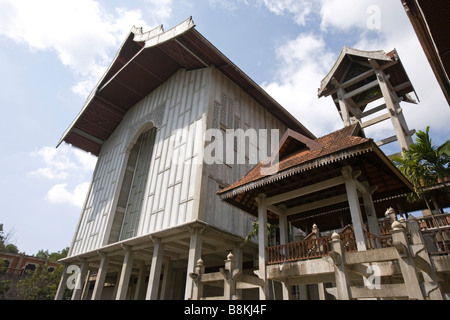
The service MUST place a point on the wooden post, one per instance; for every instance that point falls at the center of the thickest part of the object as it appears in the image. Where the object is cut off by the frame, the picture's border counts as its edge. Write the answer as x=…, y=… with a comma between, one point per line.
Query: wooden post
x=262, y=245
x=396, y=115
x=355, y=210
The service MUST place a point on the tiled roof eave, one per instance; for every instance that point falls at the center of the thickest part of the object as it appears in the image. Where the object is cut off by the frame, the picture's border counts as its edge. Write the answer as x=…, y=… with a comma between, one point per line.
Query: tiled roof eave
x=311, y=164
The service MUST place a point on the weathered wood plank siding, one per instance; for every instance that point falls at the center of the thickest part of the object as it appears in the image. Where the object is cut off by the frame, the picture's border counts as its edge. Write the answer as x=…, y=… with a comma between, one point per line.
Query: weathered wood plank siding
x=169, y=193
x=232, y=108
x=180, y=191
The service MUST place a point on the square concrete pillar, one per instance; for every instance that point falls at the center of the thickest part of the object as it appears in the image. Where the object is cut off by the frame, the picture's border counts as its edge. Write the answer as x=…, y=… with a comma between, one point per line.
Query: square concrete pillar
x=406, y=262
x=101, y=276
x=124, y=280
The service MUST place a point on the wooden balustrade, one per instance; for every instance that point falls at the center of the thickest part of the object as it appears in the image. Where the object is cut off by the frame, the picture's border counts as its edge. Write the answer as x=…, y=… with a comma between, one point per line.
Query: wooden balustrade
x=296, y=251
x=376, y=242
x=316, y=247
x=441, y=240
x=434, y=221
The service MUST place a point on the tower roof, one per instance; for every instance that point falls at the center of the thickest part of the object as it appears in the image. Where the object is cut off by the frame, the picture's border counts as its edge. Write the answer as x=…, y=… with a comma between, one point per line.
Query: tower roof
x=354, y=69
x=144, y=61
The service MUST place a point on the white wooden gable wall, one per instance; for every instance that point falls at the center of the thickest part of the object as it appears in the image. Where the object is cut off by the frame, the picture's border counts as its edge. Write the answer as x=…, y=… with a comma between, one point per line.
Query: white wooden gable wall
x=171, y=190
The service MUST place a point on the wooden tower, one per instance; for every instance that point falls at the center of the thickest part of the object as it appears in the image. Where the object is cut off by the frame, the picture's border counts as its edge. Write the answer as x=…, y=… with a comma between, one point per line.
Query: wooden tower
x=359, y=78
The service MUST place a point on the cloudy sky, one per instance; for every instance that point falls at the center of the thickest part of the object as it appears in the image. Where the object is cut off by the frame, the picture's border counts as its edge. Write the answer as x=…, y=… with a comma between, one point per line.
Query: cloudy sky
x=52, y=52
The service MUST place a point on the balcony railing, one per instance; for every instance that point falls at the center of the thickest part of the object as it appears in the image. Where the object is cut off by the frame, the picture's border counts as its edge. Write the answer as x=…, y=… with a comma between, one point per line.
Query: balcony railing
x=441, y=240
x=316, y=247
x=296, y=251
x=434, y=221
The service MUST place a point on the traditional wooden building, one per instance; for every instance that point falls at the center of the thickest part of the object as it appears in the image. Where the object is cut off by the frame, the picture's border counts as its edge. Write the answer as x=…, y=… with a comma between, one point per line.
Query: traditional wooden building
x=340, y=184
x=151, y=210
x=176, y=190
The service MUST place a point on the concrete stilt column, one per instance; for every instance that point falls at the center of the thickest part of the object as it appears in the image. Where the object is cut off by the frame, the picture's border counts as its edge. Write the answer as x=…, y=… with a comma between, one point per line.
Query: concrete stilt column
x=167, y=280
x=140, y=285
x=124, y=280
x=62, y=284
x=101, y=276
x=340, y=271
x=78, y=290
x=355, y=210
x=195, y=251
x=432, y=287
x=155, y=270
x=262, y=245
x=406, y=261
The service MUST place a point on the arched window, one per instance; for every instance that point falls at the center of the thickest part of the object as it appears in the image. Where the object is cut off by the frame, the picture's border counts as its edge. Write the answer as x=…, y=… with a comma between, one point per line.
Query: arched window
x=131, y=196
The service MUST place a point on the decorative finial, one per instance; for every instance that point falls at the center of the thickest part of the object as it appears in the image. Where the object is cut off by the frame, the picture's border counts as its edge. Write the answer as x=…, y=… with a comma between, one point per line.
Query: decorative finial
x=389, y=211
x=396, y=225
x=230, y=256
x=335, y=236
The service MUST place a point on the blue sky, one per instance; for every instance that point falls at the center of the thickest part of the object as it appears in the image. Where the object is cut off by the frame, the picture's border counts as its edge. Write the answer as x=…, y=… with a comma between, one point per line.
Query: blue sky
x=52, y=52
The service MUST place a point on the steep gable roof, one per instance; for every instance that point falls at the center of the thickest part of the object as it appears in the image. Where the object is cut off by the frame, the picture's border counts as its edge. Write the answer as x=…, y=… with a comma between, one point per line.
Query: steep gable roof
x=144, y=62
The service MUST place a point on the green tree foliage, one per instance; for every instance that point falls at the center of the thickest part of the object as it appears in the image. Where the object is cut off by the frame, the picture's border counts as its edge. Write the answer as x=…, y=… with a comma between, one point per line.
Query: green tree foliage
x=271, y=232
x=54, y=256
x=425, y=164
x=40, y=284
x=5, y=285
x=5, y=245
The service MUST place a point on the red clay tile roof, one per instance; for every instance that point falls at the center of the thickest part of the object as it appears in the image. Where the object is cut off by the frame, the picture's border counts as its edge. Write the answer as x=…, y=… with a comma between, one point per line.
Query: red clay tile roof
x=335, y=146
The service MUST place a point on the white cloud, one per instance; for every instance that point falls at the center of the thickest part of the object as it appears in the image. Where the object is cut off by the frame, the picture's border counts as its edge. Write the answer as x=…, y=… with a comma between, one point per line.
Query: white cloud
x=299, y=10
x=62, y=163
x=67, y=166
x=83, y=34
x=59, y=194
x=304, y=62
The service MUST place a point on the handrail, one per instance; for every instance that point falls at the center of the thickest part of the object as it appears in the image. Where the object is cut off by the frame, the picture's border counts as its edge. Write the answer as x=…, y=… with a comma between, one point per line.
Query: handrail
x=317, y=247
x=296, y=251
x=434, y=221
x=441, y=239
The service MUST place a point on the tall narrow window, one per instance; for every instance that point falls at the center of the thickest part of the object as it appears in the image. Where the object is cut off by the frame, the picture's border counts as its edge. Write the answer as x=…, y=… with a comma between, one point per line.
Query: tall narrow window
x=144, y=148
x=131, y=196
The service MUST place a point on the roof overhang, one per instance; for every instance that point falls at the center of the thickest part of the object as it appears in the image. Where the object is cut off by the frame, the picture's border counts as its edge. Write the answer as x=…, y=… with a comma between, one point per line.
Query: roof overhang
x=431, y=24
x=143, y=63
x=318, y=183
